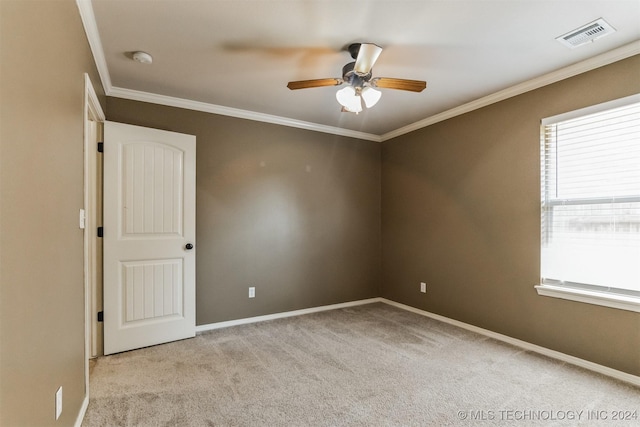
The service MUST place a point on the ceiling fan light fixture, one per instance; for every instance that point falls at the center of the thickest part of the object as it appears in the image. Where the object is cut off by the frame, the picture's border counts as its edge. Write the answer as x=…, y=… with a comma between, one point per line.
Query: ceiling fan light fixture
x=370, y=96
x=359, y=91
x=349, y=100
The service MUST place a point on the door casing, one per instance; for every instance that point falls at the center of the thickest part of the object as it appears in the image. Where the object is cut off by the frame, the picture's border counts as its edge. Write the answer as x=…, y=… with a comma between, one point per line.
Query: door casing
x=93, y=119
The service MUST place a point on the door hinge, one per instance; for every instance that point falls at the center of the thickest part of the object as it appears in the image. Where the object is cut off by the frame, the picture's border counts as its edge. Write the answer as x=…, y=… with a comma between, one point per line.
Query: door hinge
x=101, y=316
x=100, y=232
x=100, y=147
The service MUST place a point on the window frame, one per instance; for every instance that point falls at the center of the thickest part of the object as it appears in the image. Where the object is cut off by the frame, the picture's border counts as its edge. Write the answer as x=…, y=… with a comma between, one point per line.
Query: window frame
x=596, y=295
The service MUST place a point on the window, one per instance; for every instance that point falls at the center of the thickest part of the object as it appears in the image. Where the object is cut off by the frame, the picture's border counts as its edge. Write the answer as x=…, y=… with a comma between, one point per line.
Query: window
x=590, y=216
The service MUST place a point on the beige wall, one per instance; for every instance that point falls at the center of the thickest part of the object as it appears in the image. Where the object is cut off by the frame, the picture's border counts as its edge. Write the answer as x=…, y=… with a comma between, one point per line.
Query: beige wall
x=303, y=238
x=44, y=53
x=461, y=211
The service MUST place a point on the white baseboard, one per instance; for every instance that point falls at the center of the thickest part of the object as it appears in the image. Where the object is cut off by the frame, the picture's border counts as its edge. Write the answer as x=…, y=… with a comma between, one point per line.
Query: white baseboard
x=601, y=369
x=247, y=320
x=623, y=376
x=83, y=411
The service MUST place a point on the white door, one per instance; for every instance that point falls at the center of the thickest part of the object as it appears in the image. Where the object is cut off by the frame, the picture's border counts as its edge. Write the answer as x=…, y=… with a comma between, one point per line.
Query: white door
x=149, y=236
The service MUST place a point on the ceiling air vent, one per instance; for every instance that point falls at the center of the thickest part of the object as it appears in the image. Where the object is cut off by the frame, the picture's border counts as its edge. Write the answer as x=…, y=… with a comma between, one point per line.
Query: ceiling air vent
x=586, y=34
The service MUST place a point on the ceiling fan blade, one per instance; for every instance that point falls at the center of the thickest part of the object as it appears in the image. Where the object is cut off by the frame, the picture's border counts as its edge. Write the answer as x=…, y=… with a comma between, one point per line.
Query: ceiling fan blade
x=304, y=84
x=400, y=84
x=367, y=56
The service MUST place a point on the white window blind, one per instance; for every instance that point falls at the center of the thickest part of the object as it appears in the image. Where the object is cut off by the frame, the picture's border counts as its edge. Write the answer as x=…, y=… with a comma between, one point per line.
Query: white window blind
x=591, y=200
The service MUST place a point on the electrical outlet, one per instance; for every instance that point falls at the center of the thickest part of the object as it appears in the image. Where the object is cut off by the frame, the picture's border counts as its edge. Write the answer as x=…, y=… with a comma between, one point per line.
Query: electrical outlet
x=252, y=292
x=59, y=402
x=423, y=287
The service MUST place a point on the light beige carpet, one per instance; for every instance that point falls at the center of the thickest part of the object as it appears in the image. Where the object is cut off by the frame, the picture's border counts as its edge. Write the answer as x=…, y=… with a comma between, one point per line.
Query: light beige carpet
x=372, y=365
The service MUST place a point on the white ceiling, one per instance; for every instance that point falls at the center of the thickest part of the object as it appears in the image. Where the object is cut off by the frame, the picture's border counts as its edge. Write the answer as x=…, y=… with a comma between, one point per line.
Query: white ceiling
x=236, y=56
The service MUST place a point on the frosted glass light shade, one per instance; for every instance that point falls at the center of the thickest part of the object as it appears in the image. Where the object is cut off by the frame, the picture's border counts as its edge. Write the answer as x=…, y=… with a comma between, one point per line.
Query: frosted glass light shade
x=370, y=96
x=349, y=100
x=356, y=105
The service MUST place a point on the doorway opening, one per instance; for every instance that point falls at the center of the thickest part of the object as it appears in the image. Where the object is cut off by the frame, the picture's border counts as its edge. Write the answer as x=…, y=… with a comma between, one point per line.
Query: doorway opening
x=90, y=218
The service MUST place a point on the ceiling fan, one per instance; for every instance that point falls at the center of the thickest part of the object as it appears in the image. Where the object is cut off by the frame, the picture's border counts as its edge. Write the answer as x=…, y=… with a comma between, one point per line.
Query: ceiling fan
x=358, y=77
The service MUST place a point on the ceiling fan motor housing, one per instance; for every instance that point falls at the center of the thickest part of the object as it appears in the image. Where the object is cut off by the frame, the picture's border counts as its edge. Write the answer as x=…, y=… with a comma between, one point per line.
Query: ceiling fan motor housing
x=354, y=49
x=353, y=78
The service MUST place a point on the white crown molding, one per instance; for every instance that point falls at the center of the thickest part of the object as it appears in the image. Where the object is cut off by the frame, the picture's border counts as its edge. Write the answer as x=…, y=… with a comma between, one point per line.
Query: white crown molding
x=601, y=60
x=91, y=29
x=170, y=101
x=93, y=36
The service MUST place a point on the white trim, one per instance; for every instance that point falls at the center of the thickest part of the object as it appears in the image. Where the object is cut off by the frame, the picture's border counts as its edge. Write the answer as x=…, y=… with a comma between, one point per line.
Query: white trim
x=92, y=110
x=91, y=29
x=92, y=100
x=83, y=411
x=247, y=320
x=592, y=109
x=601, y=60
x=93, y=36
x=188, y=104
x=605, y=370
x=622, y=302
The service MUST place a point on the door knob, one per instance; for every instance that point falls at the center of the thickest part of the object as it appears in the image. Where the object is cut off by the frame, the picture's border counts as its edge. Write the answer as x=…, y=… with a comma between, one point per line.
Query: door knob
x=188, y=246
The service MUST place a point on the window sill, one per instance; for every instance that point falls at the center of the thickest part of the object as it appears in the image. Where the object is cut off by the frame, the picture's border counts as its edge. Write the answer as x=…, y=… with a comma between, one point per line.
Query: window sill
x=621, y=302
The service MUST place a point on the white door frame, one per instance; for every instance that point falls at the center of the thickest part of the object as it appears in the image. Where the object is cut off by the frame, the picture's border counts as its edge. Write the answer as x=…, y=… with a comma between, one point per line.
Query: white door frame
x=92, y=113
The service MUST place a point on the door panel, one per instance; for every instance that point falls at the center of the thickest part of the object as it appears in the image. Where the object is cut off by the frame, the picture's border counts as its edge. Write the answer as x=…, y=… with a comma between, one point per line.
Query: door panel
x=149, y=217
x=152, y=190
x=152, y=290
